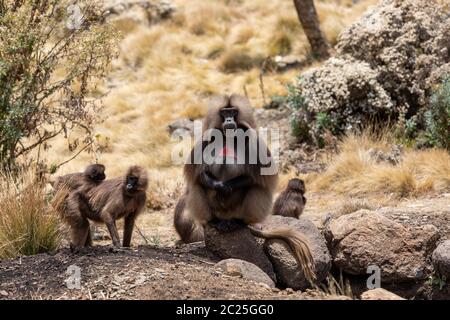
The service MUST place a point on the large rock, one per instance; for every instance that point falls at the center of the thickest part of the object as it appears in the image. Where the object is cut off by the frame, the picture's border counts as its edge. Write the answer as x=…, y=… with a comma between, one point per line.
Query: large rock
x=441, y=259
x=379, y=294
x=137, y=12
x=238, y=244
x=365, y=238
x=244, y=269
x=387, y=63
x=285, y=265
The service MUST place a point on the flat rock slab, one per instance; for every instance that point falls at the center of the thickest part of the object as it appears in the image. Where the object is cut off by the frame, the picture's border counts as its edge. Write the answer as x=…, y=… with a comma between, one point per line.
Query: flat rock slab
x=244, y=269
x=379, y=294
x=365, y=238
x=286, y=267
x=238, y=244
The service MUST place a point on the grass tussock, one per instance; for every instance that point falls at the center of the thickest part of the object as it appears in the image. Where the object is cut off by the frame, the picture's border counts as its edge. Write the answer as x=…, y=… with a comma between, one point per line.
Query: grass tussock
x=28, y=224
x=355, y=171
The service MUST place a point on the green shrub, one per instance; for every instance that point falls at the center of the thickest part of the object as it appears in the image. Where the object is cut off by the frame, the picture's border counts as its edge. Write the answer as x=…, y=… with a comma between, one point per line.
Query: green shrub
x=437, y=119
x=299, y=124
x=46, y=68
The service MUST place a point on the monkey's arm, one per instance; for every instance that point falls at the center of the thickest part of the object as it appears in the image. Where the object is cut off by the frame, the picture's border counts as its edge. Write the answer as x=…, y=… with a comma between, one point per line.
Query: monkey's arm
x=208, y=181
x=239, y=182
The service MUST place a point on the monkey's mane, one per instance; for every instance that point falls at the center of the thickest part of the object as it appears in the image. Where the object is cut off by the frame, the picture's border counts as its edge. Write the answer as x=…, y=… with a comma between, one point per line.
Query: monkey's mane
x=140, y=173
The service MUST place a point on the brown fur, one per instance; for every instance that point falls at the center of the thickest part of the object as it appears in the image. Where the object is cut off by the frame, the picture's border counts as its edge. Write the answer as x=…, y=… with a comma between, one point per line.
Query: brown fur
x=64, y=185
x=252, y=204
x=291, y=202
x=108, y=202
x=187, y=228
x=92, y=175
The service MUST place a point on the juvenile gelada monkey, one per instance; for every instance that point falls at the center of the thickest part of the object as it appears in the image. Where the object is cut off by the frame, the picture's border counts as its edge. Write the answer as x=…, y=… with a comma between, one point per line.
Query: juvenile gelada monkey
x=229, y=185
x=92, y=175
x=291, y=202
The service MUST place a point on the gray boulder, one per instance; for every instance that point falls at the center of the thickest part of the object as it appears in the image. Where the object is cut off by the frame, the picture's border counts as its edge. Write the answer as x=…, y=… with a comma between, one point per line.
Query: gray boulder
x=238, y=244
x=365, y=238
x=285, y=265
x=244, y=269
x=441, y=259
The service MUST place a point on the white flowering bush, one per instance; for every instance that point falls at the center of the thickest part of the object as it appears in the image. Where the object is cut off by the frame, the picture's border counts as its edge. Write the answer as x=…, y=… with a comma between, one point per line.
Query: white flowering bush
x=386, y=68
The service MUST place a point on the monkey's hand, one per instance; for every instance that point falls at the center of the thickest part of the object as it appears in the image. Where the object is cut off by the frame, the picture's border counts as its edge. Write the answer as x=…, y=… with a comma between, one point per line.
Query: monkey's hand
x=223, y=187
x=210, y=182
x=239, y=183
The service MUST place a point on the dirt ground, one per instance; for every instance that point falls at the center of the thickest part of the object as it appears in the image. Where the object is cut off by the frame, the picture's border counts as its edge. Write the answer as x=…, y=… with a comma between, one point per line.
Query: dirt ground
x=145, y=272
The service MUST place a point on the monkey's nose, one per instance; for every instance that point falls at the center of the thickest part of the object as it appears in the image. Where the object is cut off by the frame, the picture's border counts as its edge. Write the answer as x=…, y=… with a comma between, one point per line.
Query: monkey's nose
x=229, y=126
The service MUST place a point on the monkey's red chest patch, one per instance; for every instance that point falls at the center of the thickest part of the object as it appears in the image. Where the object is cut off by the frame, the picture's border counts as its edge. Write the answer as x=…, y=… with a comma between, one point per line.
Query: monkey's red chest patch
x=227, y=152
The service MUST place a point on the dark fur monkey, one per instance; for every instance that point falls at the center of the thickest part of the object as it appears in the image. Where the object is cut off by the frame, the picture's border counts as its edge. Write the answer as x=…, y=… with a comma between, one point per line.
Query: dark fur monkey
x=92, y=175
x=291, y=202
x=231, y=177
x=113, y=199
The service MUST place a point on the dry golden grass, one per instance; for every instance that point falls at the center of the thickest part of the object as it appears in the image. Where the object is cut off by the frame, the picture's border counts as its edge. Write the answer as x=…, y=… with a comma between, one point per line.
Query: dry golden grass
x=355, y=172
x=28, y=224
x=165, y=72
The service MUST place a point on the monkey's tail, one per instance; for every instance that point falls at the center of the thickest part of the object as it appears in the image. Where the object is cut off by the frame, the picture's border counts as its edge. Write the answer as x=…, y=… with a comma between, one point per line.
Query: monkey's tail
x=59, y=201
x=298, y=244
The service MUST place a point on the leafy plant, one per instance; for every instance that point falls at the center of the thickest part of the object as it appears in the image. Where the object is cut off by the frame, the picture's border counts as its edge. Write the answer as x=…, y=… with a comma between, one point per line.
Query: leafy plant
x=435, y=280
x=296, y=102
x=47, y=62
x=155, y=240
x=437, y=119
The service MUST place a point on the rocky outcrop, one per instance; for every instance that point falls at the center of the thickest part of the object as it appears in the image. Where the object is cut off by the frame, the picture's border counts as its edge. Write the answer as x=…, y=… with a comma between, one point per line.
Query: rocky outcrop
x=137, y=12
x=386, y=65
x=364, y=238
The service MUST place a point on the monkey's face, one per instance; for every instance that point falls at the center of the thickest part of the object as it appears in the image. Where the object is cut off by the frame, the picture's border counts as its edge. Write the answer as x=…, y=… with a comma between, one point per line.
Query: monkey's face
x=98, y=176
x=97, y=173
x=132, y=184
x=228, y=116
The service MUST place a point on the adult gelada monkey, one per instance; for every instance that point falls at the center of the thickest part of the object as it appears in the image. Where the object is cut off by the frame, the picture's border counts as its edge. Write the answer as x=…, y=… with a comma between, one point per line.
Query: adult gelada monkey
x=291, y=202
x=229, y=180
x=113, y=199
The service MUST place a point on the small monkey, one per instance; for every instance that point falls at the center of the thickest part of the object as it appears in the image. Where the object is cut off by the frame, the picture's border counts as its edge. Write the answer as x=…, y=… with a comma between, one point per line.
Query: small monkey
x=92, y=175
x=113, y=199
x=291, y=202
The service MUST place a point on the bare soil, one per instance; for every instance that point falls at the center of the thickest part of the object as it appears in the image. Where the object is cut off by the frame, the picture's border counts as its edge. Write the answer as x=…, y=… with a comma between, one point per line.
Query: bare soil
x=145, y=272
